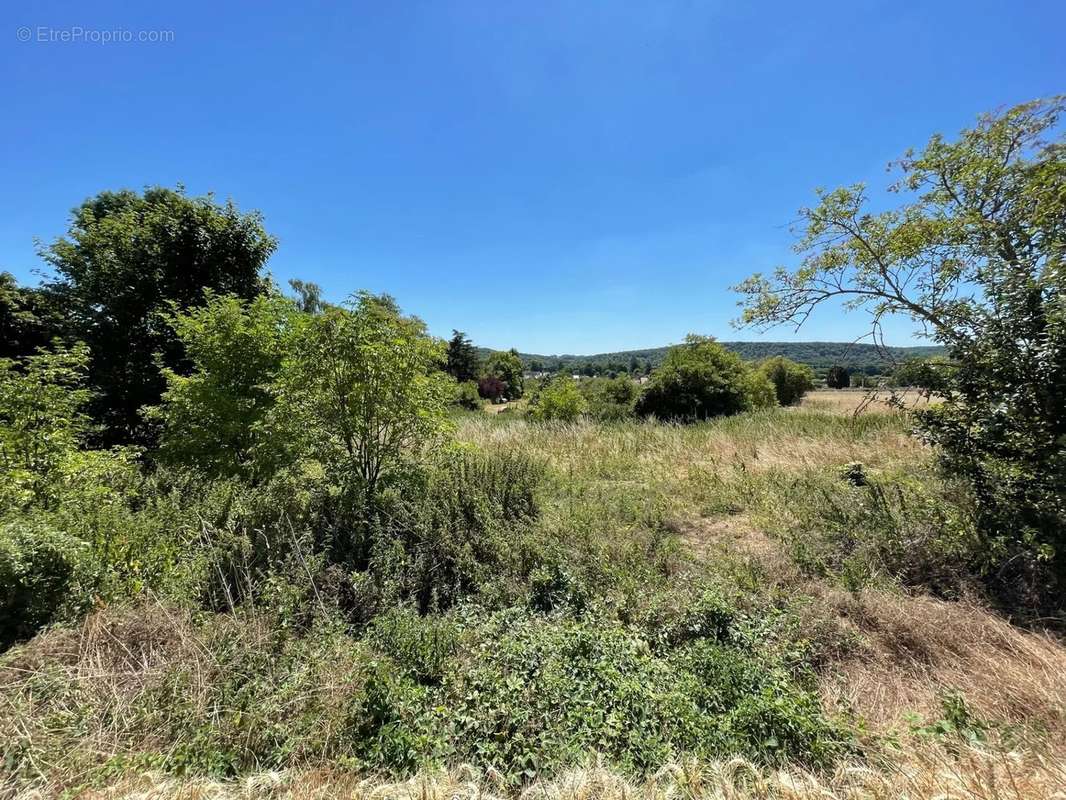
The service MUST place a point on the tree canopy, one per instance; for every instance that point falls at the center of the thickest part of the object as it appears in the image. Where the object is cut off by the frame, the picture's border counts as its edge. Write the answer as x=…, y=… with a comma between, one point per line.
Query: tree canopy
x=506, y=366
x=463, y=362
x=127, y=260
x=973, y=252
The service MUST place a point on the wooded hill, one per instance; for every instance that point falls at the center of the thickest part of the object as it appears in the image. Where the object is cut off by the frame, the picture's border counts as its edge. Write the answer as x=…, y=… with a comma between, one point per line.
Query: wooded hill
x=858, y=357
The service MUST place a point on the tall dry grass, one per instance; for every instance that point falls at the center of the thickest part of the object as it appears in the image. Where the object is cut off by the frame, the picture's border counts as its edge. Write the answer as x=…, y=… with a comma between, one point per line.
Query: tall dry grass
x=652, y=453
x=863, y=401
x=916, y=771
x=916, y=649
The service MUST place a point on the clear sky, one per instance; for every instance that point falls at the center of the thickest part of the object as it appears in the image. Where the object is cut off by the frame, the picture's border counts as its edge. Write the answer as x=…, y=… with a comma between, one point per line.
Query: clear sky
x=557, y=176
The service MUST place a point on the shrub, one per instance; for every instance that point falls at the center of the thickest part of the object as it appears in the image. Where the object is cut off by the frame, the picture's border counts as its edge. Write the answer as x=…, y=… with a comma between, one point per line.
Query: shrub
x=492, y=388
x=38, y=564
x=559, y=401
x=42, y=422
x=213, y=419
x=610, y=399
x=929, y=374
x=701, y=379
x=536, y=696
x=421, y=645
x=554, y=588
x=463, y=527
x=860, y=528
x=359, y=389
x=838, y=378
x=759, y=390
x=759, y=710
x=791, y=380
x=467, y=396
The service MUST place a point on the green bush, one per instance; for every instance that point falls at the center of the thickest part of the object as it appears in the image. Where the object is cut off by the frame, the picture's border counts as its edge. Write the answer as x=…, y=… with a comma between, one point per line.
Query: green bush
x=759, y=710
x=38, y=566
x=463, y=527
x=422, y=645
x=610, y=399
x=42, y=422
x=701, y=379
x=838, y=377
x=213, y=419
x=791, y=380
x=467, y=396
x=861, y=527
x=559, y=401
x=537, y=696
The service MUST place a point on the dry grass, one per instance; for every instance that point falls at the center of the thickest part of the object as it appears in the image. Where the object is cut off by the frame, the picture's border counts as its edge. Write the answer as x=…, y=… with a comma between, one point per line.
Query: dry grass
x=863, y=401
x=918, y=771
x=918, y=648
x=914, y=649
x=513, y=406
x=654, y=453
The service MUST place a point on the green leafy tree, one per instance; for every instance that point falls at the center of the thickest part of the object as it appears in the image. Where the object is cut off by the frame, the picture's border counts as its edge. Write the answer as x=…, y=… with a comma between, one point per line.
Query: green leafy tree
x=560, y=400
x=308, y=296
x=791, y=380
x=28, y=318
x=974, y=254
x=360, y=388
x=214, y=417
x=463, y=362
x=42, y=421
x=125, y=261
x=838, y=377
x=506, y=366
x=701, y=379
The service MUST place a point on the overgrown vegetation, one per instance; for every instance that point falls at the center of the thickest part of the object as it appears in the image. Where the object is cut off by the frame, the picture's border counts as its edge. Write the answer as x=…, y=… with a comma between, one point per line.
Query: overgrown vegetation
x=975, y=256
x=299, y=541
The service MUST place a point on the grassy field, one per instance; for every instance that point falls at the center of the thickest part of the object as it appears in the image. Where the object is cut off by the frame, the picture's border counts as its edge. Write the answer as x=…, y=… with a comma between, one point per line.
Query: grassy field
x=819, y=530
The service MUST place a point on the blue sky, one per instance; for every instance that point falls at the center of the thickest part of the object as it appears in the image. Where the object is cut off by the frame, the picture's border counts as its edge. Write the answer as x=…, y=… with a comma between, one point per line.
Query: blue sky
x=557, y=176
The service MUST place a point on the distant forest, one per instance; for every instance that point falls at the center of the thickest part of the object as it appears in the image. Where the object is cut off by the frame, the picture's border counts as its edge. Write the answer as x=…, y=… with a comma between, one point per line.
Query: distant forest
x=865, y=358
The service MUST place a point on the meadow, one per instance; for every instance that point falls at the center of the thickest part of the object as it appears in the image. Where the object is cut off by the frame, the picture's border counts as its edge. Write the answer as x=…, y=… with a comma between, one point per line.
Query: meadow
x=763, y=605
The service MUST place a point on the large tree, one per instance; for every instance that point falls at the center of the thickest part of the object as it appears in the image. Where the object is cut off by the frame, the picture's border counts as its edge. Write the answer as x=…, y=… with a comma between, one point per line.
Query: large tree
x=506, y=367
x=973, y=252
x=127, y=260
x=463, y=362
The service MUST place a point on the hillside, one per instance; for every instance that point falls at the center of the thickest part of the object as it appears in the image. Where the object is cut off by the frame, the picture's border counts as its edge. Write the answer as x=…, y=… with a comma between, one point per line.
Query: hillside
x=820, y=355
